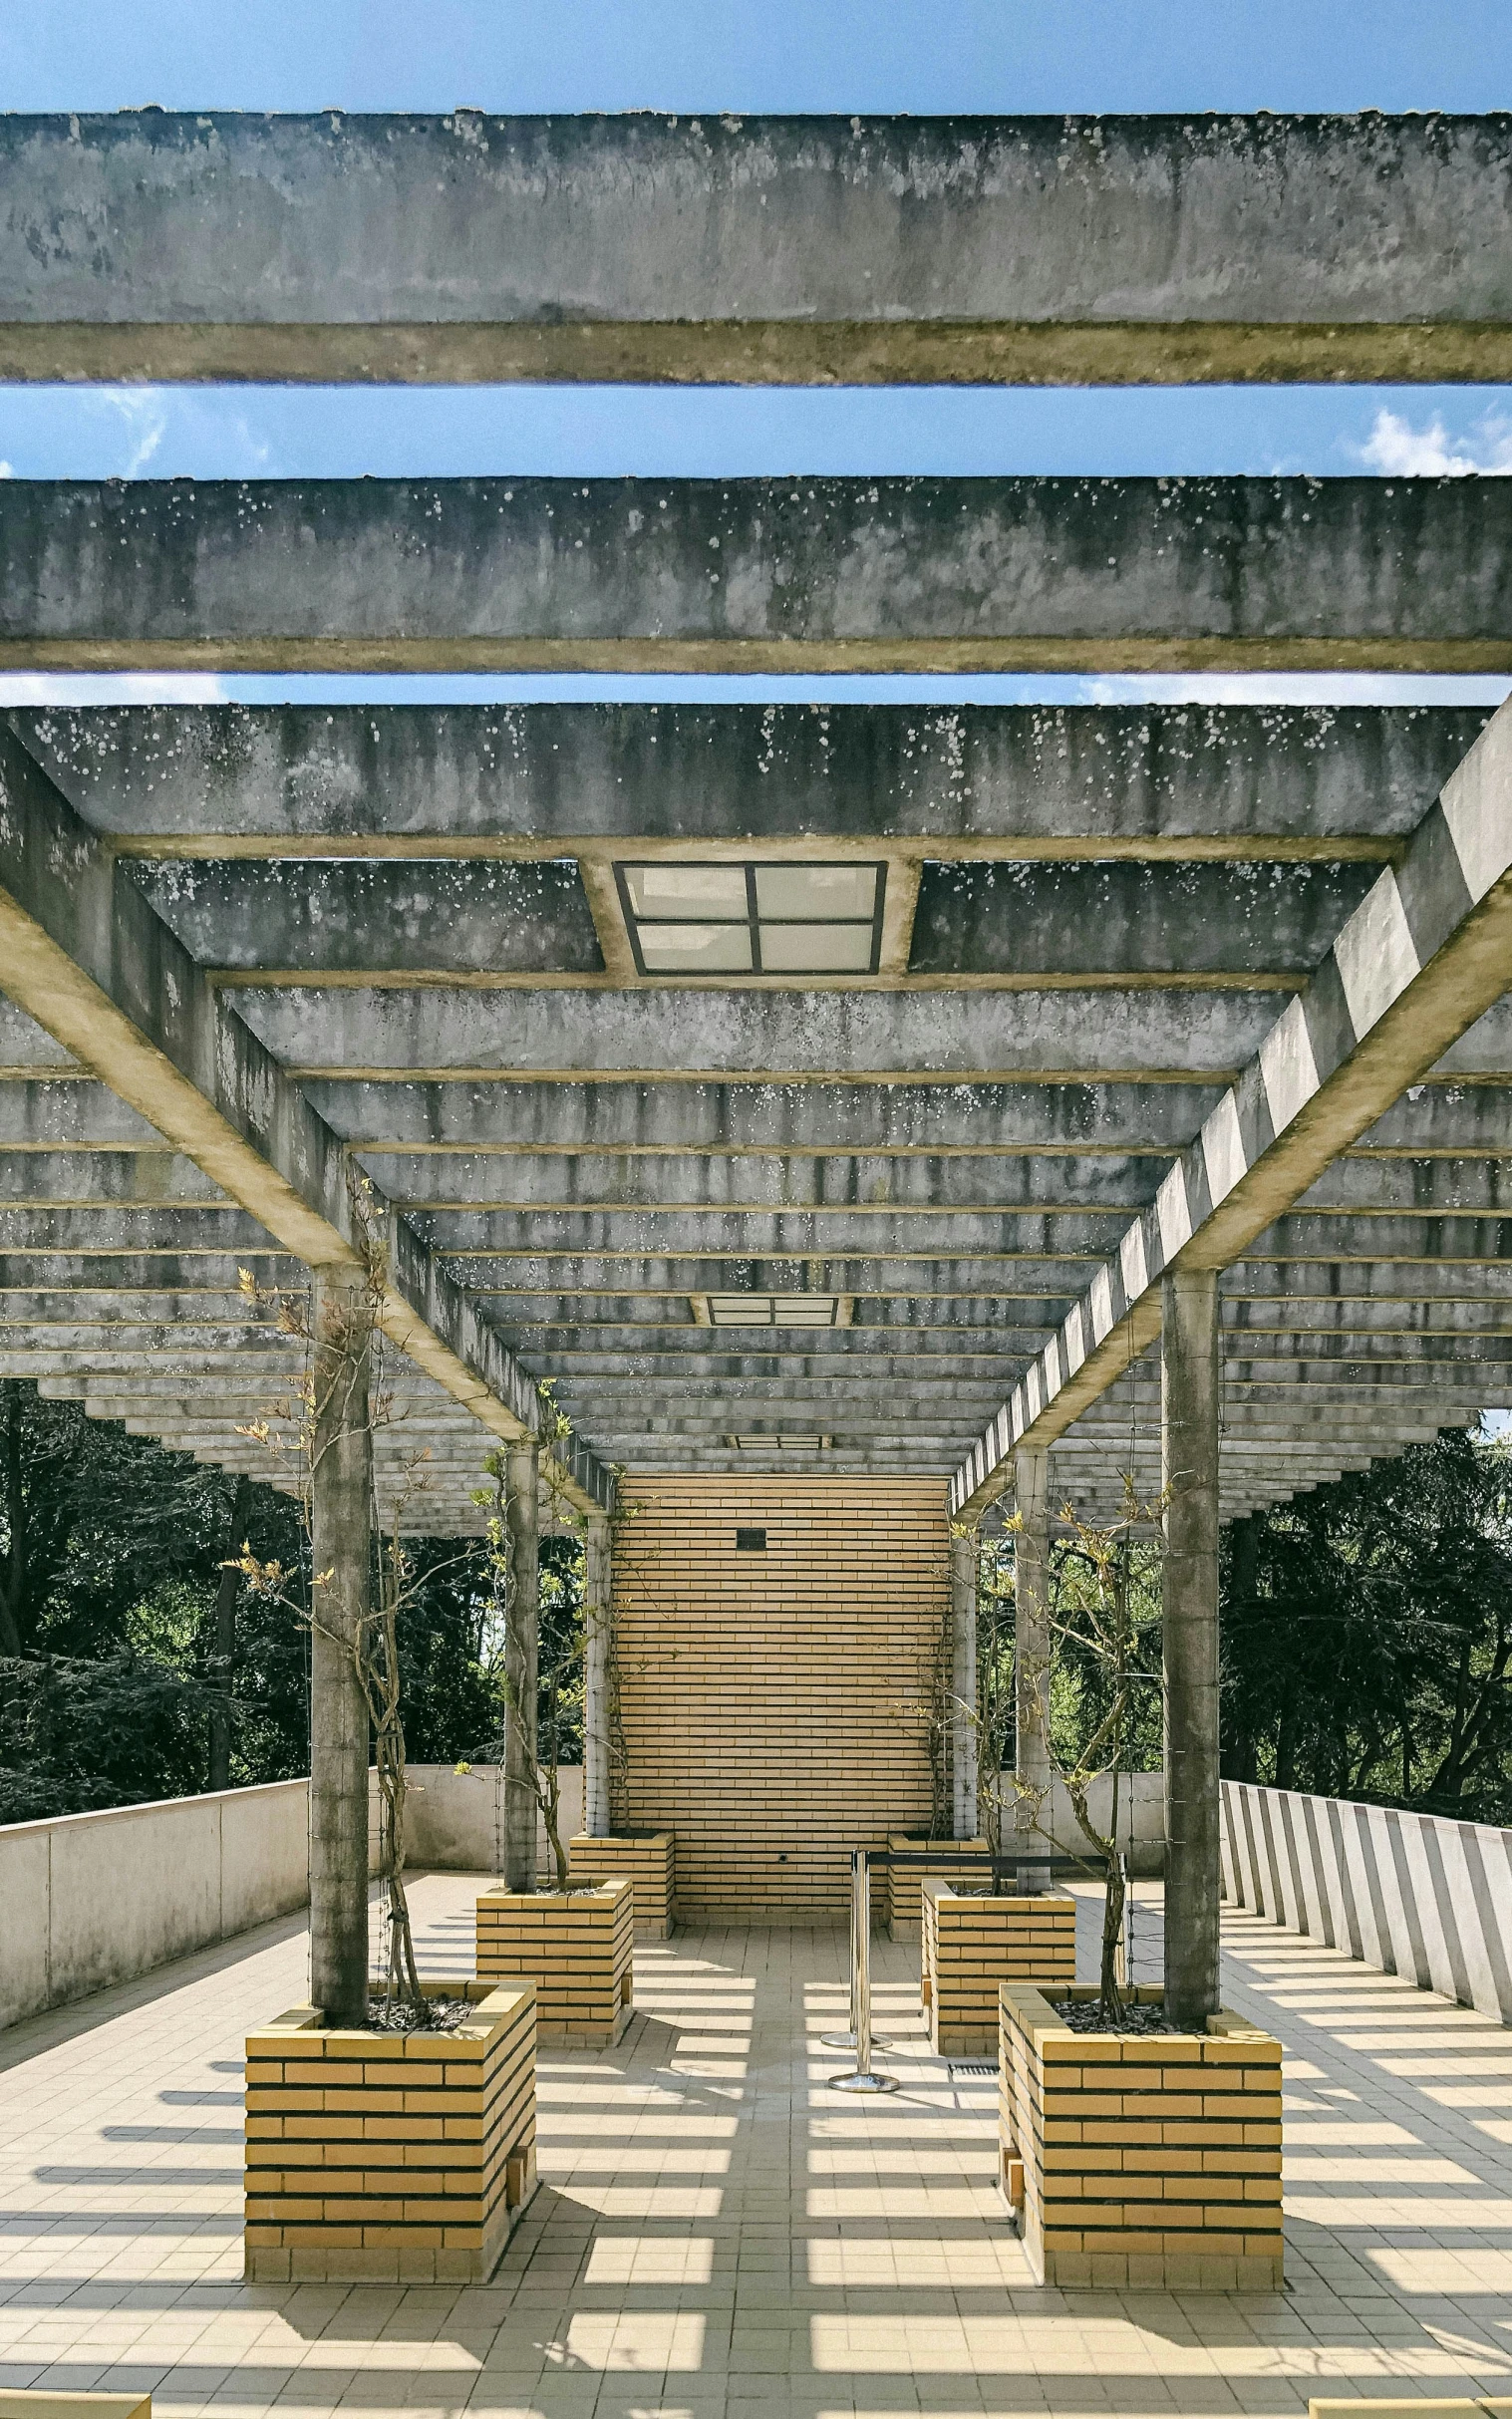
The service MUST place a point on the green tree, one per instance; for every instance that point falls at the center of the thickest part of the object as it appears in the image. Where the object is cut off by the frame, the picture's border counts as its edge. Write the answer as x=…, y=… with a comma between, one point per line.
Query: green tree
x=1367, y=1636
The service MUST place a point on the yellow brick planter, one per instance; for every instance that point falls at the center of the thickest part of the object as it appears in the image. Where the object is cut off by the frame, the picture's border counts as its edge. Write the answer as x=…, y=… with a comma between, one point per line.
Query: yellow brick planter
x=905, y=1905
x=31, y=2402
x=1141, y=2161
x=578, y=1948
x=646, y=1860
x=974, y=1943
x=1417, y=2407
x=390, y=2158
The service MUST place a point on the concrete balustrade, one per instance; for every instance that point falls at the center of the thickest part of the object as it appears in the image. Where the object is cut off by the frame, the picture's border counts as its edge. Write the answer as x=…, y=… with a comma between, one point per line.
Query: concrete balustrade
x=1412, y=1893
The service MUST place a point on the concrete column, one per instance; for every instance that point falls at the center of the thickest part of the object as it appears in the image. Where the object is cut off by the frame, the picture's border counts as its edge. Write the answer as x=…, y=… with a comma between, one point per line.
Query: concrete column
x=1032, y=1633
x=598, y=1618
x=1189, y=1396
x=521, y=1658
x=963, y=1684
x=341, y=1544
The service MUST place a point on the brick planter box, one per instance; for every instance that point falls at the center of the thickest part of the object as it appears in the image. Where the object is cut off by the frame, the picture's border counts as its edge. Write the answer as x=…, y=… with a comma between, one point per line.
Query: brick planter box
x=32, y=2402
x=390, y=2158
x=645, y=1859
x=905, y=1907
x=576, y=1945
x=1151, y=2161
x=972, y=1943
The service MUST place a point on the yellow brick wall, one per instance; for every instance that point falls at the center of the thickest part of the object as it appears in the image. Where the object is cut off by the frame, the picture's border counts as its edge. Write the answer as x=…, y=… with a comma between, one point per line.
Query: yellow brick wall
x=774, y=1705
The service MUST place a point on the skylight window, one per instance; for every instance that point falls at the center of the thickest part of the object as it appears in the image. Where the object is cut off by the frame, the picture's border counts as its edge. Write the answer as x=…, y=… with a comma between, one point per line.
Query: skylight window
x=776, y=1309
x=786, y=1442
x=793, y=919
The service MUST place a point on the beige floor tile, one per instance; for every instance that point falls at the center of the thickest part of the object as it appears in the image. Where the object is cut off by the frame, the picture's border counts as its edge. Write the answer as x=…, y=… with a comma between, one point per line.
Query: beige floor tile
x=719, y=2236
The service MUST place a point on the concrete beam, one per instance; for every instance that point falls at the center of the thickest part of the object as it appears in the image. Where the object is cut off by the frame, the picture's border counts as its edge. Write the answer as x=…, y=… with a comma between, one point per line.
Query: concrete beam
x=1420, y=960
x=86, y=955
x=783, y=1234
x=539, y=1240
x=440, y=1183
x=759, y=1036
x=662, y=1120
x=775, y=575
x=154, y=245
x=655, y=1119
x=910, y=782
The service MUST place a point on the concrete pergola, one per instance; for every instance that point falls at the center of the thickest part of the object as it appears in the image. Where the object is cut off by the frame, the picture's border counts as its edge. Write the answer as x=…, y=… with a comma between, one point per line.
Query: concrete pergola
x=1026, y=1031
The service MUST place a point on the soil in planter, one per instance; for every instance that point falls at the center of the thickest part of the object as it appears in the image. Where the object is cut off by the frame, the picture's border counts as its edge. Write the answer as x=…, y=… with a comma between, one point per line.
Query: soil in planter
x=1086, y=2015
x=442, y=2015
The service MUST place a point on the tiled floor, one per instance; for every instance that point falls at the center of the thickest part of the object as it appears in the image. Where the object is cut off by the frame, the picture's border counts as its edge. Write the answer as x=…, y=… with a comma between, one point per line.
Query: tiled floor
x=719, y=2235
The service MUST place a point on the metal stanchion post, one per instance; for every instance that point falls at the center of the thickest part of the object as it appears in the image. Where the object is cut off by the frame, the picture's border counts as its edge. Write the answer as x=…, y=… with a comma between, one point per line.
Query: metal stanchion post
x=851, y=2039
x=863, y=2078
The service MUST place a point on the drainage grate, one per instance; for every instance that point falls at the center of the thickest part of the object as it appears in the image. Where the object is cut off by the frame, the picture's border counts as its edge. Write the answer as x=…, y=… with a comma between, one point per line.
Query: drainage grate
x=970, y=2066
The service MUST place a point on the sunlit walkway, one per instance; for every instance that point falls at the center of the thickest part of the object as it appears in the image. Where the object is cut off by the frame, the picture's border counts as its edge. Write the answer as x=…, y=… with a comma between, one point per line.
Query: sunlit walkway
x=718, y=2234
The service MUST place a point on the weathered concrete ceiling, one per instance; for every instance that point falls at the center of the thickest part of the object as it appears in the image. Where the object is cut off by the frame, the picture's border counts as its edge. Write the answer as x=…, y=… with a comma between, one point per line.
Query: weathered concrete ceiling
x=734, y=576
x=103, y=976
x=214, y=245
x=414, y=914
x=1416, y=965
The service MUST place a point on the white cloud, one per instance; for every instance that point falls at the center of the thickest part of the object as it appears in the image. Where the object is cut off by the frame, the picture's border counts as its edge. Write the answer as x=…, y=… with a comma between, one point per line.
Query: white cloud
x=112, y=689
x=145, y=410
x=5, y=470
x=1398, y=451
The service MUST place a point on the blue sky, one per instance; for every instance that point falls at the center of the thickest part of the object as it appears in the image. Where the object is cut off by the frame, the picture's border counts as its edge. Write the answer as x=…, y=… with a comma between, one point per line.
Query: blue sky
x=797, y=55
x=913, y=54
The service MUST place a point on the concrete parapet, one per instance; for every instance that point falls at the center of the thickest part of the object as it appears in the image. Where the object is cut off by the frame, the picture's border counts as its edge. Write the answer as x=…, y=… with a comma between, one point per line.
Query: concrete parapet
x=96, y=1899
x=1412, y=1893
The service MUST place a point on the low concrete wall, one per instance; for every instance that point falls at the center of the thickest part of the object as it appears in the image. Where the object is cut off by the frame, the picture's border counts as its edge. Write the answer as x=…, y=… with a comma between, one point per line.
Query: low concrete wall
x=1411, y=1893
x=88, y=1899
x=1141, y=1817
x=455, y=1820
x=94, y=1898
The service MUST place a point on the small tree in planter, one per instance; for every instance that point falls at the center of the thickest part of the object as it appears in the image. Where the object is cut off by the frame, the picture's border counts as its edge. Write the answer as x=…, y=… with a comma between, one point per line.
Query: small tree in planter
x=574, y=1939
x=1172, y=2178
x=422, y=2206
x=558, y=1680
x=1104, y=1628
x=351, y=1361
